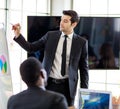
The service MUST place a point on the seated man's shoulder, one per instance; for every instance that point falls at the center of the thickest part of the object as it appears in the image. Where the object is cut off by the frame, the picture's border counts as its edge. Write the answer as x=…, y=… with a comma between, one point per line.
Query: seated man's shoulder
x=58, y=100
x=52, y=93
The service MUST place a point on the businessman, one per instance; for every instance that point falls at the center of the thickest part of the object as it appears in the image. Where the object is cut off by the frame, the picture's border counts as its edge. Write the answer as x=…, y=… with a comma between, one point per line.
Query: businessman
x=36, y=96
x=65, y=56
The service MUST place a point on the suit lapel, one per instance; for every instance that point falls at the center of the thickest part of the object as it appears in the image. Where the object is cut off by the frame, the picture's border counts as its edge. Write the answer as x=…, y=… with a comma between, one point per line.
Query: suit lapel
x=73, y=46
x=55, y=41
x=53, y=45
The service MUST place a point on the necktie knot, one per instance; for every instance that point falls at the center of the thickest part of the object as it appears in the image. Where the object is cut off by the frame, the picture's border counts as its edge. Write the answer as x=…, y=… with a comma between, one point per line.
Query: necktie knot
x=65, y=36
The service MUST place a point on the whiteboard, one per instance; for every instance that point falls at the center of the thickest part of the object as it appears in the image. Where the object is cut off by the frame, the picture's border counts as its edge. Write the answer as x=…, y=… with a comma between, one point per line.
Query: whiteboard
x=5, y=75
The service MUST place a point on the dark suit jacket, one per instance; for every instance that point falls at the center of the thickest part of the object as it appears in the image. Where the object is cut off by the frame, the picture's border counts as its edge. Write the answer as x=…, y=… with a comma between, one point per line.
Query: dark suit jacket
x=78, y=56
x=37, y=98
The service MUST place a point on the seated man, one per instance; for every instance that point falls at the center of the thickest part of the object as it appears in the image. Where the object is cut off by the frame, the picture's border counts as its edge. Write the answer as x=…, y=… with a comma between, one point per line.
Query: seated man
x=35, y=96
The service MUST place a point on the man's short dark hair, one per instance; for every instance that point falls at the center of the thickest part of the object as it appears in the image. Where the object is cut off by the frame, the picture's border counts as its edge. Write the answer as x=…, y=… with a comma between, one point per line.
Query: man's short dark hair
x=73, y=14
x=30, y=70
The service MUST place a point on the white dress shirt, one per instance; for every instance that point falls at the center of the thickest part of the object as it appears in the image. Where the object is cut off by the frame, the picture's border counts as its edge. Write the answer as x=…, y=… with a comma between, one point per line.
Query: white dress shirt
x=56, y=68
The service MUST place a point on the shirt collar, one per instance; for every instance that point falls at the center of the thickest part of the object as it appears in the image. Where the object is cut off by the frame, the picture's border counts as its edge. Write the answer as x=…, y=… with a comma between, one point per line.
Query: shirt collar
x=69, y=36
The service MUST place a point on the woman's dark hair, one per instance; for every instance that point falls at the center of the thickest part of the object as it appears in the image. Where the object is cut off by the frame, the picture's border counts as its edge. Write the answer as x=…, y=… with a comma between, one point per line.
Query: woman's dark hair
x=73, y=14
x=30, y=71
x=107, y=56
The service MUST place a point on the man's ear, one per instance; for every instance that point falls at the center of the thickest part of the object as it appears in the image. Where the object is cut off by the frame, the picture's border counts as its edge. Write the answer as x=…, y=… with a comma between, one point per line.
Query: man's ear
x=74, y=24
x=42, y=74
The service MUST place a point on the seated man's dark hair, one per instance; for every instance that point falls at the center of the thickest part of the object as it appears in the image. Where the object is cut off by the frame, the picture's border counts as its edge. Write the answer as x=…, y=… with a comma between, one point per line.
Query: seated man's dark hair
x=30, y=70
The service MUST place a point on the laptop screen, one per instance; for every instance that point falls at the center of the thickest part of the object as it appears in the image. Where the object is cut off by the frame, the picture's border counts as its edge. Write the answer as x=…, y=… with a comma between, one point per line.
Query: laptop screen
x=93, y=99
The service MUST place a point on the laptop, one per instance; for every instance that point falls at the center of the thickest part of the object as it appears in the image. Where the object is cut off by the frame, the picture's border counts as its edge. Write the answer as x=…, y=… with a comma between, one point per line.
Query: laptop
x=94, y=99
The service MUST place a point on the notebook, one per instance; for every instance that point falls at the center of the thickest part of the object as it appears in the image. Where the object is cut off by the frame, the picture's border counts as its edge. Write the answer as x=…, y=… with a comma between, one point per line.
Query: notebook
x=94, y=99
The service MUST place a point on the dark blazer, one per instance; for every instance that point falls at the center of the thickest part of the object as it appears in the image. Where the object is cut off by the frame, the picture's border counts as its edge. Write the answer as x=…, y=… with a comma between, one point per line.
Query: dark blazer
x=37, y=98
x=78, y=56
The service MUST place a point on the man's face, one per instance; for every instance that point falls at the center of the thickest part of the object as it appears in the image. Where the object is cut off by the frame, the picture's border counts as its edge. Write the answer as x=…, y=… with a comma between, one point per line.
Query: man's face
x=65, y=24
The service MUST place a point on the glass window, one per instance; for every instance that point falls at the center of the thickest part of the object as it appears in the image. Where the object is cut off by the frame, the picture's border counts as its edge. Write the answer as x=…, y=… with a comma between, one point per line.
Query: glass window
x=42, y=6
x=15, y=17
x=82, y=6
x=98, y=7
x=2, y=16
x=114, y=7
x=91, y=7
x=29, y=5
x=15, y=4
x=2, y=3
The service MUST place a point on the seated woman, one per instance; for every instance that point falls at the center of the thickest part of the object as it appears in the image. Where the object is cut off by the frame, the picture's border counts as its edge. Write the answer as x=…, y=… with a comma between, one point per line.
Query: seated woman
x=107, y=59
